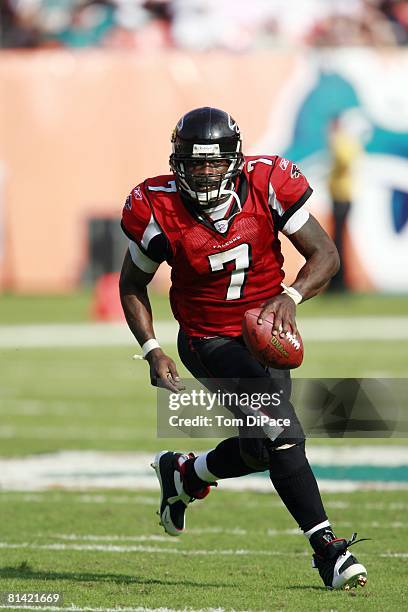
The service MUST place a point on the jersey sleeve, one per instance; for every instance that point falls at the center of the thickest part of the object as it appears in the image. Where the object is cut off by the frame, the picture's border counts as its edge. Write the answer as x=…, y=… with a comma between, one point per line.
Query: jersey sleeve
x=148, y=245
x=288, y=191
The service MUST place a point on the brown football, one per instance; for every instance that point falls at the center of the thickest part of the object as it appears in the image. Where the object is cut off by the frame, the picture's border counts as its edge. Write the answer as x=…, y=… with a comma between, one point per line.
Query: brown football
x=273, y=351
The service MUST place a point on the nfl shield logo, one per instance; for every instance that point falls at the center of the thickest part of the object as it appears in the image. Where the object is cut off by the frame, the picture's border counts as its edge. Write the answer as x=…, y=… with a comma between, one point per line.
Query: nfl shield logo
x=221, y=226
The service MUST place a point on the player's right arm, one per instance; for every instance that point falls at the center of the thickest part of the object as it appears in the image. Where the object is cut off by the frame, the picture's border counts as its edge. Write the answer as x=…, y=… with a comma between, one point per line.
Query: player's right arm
x=147, y=249
x=138, y=312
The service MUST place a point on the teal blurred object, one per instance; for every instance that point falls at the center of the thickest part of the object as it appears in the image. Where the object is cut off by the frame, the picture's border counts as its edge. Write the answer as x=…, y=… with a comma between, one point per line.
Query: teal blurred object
x=88, y=26
x=330, y=97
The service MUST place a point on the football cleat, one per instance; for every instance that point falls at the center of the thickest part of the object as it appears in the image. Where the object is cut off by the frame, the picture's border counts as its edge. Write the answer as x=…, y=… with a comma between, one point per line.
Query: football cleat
x=174, y=499
x=337, y=567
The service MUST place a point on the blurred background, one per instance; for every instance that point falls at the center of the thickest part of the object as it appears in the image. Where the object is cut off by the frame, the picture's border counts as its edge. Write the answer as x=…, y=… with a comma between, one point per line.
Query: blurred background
x=90, y=92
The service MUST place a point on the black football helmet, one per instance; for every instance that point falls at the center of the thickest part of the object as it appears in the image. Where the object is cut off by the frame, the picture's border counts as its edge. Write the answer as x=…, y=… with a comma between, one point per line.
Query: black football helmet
x=206, y=156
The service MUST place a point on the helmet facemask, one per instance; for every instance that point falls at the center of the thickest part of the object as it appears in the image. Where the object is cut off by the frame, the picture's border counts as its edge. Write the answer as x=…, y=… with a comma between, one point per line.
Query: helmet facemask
x=207, y=179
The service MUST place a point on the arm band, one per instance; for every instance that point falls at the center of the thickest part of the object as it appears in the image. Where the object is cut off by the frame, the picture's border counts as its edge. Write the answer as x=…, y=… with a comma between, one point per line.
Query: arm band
x=148, y=346
x=292, y=293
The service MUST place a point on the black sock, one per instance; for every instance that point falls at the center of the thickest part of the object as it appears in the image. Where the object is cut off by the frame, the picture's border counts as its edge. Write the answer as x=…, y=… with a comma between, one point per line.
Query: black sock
x=296, y=484
x=319, y=539
x=225, y=460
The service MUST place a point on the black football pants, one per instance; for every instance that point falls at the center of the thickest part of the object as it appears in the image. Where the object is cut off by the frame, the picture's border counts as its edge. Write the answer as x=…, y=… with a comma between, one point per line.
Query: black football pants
x=228, y=358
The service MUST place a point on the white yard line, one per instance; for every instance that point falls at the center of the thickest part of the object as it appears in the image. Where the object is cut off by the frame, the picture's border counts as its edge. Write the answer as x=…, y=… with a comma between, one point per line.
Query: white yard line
x=114, y=548
x=106, y=548
x=234, y=533
x=48, y=497
x=142, y=500
x=84, y=470
x=73, y=537
x=322, y=329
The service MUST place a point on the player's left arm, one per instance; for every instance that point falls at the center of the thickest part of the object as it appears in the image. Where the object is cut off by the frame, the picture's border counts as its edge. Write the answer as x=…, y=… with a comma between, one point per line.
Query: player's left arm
x=322, y=258
x=322, y=262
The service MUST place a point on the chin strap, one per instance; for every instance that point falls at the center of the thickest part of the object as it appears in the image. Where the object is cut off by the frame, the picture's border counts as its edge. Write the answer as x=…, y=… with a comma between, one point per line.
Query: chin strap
x=234, y=194
x=237, y=200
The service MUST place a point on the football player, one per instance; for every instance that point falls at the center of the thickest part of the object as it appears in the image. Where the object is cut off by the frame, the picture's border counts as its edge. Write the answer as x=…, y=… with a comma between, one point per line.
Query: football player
x=216, y=220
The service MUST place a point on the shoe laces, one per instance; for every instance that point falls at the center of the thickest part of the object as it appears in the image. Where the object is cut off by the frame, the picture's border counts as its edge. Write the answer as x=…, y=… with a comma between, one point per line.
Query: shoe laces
x=353, y=540
x=341, y=548
x=347, y=543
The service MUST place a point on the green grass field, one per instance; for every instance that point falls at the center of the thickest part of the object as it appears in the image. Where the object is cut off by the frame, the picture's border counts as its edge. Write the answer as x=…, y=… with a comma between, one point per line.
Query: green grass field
x=77, y=307
x=104, y=549
x=231, y=559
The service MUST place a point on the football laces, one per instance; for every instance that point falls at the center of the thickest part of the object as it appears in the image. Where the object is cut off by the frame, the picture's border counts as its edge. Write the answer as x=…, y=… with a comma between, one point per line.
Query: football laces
x=293, y=340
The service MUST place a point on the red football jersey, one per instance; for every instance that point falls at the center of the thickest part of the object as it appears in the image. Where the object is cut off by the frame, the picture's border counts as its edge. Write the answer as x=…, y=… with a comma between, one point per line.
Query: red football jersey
x=218, y=274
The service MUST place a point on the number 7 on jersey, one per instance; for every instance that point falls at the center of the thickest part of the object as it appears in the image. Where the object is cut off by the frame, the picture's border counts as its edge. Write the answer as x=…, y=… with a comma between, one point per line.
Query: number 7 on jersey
x=241, y=256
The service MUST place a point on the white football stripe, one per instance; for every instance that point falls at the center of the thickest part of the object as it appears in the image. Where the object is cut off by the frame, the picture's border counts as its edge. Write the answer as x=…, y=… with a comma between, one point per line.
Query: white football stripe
x=329, y=329
x=141, y=260
x=112, y=548
x=73, y=537
x=173, y=551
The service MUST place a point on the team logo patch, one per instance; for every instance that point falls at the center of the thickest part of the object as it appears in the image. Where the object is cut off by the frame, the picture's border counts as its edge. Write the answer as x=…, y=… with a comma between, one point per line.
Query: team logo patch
x=137, y=193
x=295, y=172
x=283, y=163
x=128, y=203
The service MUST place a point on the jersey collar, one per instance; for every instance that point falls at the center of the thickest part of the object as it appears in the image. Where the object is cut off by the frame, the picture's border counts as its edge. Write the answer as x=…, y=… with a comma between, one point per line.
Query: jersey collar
x=221, y=224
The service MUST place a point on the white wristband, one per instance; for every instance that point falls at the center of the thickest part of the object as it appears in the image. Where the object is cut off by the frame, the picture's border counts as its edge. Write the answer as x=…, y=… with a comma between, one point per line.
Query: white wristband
x=292, y=293
x=149, y=345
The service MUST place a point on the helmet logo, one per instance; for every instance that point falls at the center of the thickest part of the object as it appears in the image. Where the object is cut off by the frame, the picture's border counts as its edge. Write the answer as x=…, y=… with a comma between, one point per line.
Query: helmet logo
x=180, y=124
x=232, y=124
x=208, y=149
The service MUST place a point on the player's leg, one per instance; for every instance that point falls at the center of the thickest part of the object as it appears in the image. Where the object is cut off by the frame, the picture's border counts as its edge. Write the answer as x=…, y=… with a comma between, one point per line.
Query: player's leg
x=220, y=359
x=296, y=484
x=285, y=458
x=183, y=477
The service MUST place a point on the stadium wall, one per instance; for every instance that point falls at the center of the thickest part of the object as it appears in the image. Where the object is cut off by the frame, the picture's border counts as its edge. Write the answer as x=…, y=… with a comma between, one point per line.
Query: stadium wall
x=79, y=129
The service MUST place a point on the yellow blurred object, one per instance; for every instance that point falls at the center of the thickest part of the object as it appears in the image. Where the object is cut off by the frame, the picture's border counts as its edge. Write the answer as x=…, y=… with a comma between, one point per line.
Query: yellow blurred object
x=344, y=149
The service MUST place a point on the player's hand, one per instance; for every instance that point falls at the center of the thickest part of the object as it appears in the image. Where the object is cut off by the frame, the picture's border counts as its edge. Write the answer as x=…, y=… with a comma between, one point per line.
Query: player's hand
x=163, y=371
x=283, y=310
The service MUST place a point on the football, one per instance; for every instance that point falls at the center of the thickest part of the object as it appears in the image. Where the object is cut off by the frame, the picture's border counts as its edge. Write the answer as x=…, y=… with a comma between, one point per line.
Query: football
x=272, y=351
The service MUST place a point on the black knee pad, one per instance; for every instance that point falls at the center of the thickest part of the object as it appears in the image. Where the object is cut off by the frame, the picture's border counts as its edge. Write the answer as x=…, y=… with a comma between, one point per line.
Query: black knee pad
x=286, y=462
x=255, y=453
